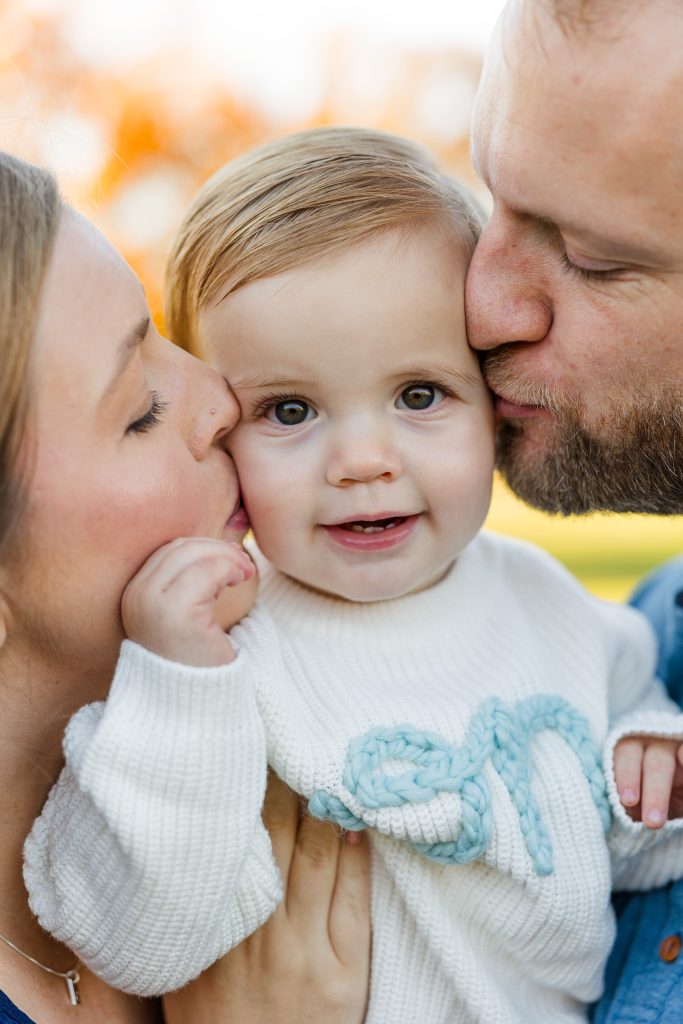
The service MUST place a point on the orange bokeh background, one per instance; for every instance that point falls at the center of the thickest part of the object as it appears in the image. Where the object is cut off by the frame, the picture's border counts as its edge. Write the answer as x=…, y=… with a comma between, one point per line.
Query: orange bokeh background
x=132, y=141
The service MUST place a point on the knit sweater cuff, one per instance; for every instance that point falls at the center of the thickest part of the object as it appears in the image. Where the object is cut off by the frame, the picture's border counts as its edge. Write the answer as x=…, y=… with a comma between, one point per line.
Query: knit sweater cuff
x=144, y=792
x=628, y=837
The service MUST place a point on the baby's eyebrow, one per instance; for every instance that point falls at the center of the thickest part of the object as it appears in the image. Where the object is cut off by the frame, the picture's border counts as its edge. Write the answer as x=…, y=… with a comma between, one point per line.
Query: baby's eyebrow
x=440, y=370
x=258, y=383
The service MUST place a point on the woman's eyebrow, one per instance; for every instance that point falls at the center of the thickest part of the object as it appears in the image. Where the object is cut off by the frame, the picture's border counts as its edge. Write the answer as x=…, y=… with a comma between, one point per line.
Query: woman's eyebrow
x=126, y=351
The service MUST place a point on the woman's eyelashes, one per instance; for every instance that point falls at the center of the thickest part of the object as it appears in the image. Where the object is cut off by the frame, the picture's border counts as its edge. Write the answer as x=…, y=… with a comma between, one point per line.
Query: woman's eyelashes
x=149, y=419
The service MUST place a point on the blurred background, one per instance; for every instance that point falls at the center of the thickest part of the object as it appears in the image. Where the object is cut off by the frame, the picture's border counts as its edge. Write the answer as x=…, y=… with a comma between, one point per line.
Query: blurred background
x=135, y=102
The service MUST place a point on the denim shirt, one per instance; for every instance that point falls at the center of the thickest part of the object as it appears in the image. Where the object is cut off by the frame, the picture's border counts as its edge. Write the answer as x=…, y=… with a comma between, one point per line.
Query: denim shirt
x=10, y=1014
x=642, y=986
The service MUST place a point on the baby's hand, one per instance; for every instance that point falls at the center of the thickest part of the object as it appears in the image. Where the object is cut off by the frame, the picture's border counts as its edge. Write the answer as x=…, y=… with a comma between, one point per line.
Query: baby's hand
x=648, y=771
x=171, y=606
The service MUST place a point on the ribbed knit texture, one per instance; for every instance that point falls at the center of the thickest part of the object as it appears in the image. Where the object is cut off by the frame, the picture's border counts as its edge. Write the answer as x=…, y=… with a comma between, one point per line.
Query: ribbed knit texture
x=150, y=859
x=159, y=799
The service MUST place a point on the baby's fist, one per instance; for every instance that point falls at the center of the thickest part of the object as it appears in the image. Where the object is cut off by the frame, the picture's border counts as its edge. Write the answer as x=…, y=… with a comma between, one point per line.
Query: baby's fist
x=175, y=605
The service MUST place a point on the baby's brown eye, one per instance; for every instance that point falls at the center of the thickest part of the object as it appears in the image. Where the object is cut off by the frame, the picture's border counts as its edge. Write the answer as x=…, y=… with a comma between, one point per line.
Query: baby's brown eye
x=417, y=396
x=290, y=413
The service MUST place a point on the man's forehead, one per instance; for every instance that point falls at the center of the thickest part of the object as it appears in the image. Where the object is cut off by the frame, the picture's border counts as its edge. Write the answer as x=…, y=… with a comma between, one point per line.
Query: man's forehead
x=601, y=43
x=576, y=117
x=590, y=132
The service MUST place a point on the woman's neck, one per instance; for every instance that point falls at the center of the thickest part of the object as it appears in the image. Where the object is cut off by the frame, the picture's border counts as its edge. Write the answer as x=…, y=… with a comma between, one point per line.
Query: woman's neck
x=36, y=702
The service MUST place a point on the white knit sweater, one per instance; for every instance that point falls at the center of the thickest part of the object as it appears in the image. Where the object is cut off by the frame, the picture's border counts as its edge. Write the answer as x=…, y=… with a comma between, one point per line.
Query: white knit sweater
x=459, y=724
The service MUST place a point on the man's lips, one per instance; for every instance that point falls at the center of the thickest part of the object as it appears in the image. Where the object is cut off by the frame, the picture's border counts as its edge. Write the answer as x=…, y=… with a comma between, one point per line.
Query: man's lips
x=511, y=410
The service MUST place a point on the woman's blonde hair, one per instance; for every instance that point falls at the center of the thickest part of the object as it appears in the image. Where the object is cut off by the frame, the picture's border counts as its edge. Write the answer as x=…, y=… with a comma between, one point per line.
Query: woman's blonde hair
x=30, y=208
x=297, y=200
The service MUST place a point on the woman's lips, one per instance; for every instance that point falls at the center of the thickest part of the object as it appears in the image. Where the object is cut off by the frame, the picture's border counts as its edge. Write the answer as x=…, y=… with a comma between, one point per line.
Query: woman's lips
x=374, y=534
x=239, y=520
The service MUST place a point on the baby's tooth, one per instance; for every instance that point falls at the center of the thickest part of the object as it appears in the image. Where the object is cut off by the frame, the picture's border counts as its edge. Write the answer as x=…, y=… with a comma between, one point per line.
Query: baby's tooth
x=359, y=528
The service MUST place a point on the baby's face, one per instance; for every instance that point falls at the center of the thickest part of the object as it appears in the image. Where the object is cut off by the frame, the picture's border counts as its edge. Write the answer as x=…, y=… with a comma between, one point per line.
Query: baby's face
x=365, y=444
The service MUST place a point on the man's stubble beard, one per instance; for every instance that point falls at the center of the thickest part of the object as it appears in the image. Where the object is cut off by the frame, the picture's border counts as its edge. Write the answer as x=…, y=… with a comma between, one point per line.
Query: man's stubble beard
x=630, y=460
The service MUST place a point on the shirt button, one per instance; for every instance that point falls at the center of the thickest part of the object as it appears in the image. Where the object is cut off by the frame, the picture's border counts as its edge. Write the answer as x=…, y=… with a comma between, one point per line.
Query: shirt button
x=669, y=948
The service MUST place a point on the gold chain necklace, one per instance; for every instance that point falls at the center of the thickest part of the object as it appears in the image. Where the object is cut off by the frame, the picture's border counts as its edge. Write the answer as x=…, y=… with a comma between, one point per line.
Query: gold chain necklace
x=71, y=977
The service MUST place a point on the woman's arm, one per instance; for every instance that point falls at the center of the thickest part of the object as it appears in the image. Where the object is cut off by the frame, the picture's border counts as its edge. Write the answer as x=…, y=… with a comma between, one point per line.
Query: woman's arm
x=310, y=962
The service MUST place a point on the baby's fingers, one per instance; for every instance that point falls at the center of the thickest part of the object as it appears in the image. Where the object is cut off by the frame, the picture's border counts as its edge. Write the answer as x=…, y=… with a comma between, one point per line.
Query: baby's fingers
x=628, y=763
x=164, y=566
x=200, y=582
x=659, y=762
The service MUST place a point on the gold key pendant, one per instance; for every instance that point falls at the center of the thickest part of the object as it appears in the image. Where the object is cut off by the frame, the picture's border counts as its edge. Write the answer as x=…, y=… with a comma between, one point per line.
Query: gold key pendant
x=72, y=979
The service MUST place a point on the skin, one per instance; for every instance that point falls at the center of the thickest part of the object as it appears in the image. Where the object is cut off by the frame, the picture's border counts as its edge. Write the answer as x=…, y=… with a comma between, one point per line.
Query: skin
x=579, y=271
x=98, y=482
x=310, y=962
x=102, y=496
x=345, y=340
x=584, y=170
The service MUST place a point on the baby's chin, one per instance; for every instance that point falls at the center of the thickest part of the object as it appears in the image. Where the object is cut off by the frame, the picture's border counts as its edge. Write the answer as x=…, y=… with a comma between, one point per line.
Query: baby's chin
x=372, y=590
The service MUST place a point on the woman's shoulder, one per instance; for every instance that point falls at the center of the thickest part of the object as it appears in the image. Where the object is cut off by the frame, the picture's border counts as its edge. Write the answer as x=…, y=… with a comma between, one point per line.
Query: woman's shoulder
x=11, y=1014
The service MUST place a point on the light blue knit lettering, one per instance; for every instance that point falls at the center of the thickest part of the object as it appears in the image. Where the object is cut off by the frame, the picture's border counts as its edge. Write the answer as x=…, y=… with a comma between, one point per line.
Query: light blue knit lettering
x=500, y=733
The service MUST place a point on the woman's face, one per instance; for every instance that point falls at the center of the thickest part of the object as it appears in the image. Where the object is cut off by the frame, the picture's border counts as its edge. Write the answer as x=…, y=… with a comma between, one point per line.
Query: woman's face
x=124, y=453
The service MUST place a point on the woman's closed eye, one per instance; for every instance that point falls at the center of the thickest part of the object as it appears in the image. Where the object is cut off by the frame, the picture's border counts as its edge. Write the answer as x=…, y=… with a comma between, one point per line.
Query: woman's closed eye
x=150, y=418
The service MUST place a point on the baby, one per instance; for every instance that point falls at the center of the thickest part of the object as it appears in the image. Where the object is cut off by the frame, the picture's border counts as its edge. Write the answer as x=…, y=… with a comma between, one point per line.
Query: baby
x=449, y=690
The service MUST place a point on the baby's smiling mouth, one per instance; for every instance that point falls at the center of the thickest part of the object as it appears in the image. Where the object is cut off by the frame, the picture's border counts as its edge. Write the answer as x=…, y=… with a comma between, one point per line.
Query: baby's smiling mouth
x=372, y=525
x=373, y=532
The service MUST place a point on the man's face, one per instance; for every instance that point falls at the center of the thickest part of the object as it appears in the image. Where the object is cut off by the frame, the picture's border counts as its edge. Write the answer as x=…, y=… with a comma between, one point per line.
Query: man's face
x=575, y=293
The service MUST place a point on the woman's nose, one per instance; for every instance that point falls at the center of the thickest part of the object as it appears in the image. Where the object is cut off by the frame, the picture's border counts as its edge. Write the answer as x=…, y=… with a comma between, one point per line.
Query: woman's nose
x=505, y=297
x=211, y=408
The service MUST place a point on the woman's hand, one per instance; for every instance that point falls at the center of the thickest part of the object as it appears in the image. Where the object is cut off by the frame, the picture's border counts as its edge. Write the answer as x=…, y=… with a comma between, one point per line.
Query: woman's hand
x=185, y=596
x=310, y=962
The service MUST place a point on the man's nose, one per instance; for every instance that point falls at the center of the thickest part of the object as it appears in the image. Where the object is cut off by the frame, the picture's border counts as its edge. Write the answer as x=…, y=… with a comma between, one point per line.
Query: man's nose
x=362, y=456
x=505, y=299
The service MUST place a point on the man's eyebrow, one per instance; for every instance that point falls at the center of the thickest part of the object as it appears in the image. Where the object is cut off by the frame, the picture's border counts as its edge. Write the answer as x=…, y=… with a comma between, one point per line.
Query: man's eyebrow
x=126, y=351
x=617, y=248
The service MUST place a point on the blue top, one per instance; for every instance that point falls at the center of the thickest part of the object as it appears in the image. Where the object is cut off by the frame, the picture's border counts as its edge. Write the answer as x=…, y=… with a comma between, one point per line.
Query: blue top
x=9, y=1014
x=640, y=986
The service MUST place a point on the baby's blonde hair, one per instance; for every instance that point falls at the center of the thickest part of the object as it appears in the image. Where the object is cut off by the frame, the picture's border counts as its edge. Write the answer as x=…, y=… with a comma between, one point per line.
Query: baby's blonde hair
x=297, y=200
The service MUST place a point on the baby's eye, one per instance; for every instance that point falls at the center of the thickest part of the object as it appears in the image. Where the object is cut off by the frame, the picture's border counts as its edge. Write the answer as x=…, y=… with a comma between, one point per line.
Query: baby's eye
x=419, y=396
x=291, y=412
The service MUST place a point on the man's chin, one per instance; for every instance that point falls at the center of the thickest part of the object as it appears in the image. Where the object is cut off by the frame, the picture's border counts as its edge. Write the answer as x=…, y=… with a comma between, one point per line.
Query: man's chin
x=631, y=462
